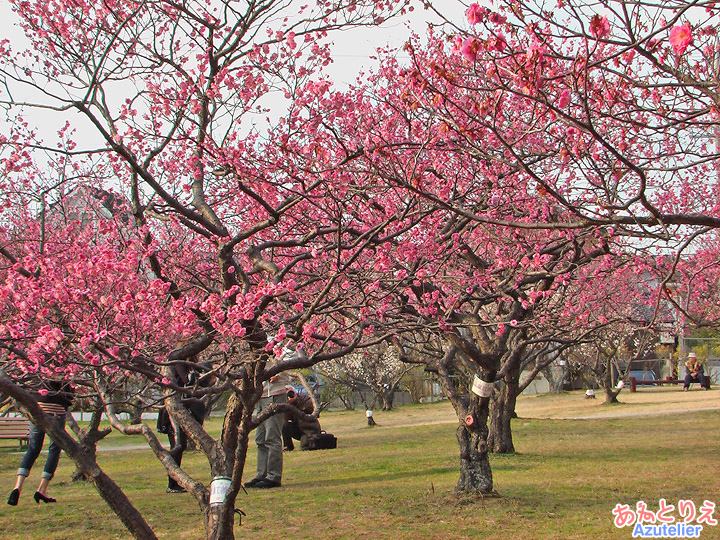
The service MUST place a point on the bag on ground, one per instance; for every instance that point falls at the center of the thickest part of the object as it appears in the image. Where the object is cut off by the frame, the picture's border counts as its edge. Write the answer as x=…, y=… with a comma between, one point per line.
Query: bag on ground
x=321, y=441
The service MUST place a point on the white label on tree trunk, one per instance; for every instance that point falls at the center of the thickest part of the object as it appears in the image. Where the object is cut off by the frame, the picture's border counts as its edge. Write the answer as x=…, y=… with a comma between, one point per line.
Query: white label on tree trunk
x=482, y=388
x=219, y=488
x=369, y=413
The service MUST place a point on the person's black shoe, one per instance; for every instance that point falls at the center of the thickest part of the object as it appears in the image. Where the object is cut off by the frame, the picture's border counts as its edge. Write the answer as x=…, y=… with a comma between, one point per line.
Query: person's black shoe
x=254, y=482
x=266, y=484
x=44, y=498
x=14, y=497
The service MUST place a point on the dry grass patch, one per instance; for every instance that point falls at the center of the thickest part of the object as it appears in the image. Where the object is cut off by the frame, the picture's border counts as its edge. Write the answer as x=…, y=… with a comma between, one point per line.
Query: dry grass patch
x=396, y=480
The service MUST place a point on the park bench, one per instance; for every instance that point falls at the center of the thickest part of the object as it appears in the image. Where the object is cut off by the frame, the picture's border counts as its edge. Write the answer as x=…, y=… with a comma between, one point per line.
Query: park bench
x=634, y=382
x=14, y=427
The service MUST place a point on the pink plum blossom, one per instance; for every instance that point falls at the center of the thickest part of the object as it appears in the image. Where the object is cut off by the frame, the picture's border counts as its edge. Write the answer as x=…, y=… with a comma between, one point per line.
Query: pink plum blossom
x=599, y=26
x=469, y=49
x=681, y=38
x=475, y=14
x=564, y=99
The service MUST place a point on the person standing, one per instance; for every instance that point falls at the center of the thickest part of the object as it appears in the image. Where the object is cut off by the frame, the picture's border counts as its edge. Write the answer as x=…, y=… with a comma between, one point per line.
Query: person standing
x=178, y=440
x=55, y=399
x=268, y=436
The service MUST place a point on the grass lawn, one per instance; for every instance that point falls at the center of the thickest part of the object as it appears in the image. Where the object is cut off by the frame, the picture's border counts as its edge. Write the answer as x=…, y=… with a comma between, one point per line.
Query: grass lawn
x=396, y=480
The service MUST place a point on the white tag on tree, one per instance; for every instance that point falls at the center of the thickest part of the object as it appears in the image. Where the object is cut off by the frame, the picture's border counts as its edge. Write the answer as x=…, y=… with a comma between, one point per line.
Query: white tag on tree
x=482, y=388
x=219, y=488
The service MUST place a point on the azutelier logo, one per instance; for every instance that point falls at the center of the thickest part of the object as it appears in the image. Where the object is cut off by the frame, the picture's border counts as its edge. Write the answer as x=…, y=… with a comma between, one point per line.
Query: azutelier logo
x=663, y=523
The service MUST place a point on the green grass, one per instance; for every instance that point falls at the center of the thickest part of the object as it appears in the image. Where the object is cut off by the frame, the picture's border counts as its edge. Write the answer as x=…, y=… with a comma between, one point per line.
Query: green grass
x=397, y=482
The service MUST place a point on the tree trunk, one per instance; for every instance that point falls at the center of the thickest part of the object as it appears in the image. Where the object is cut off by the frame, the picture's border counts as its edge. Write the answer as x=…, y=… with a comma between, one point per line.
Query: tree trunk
x=220, y=519
x=136, y=410
x=475, y=471
x=502, y=411
x=472, y=412
x=88, y=439
x=610, y=394
x=108, y=489
x=89, y=445
x=559, y=382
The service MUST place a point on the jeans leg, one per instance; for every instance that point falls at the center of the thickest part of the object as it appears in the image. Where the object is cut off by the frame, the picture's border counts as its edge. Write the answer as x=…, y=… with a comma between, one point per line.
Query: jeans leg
x=53, y=458
x=35, y=444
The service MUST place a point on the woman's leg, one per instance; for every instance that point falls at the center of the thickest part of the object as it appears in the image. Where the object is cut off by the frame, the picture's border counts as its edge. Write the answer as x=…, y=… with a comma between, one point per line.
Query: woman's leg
x=35, y=443
x=177, y=453
x=44, y=483
x=51, y=464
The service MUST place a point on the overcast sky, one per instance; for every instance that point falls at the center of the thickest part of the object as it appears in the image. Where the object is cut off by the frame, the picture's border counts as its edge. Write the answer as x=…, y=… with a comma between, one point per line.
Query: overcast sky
x=352, y=52
x=354, y=48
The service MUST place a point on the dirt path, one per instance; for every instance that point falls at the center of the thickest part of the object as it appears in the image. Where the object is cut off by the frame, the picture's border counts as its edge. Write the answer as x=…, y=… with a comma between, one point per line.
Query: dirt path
x=645, y=402
x=568, y=406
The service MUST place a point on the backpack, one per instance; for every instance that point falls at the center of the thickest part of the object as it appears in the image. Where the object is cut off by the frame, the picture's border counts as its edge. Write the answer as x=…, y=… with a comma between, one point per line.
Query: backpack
x=321, y=441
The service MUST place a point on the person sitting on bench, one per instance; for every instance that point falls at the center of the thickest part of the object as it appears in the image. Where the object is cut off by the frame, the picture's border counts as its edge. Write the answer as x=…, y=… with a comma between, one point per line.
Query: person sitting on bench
x=695, y=372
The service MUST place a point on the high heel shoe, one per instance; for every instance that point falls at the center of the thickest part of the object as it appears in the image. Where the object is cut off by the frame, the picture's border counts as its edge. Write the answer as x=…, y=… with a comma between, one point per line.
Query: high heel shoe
x=44, y=498
x=14, y=497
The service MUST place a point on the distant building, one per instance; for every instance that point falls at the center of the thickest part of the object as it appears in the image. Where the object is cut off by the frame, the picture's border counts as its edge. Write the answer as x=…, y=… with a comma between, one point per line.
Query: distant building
x=85, y=204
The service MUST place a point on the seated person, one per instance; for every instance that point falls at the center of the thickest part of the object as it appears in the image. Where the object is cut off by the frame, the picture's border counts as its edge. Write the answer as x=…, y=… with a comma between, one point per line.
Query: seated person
x=695, y=372
x=296, y=428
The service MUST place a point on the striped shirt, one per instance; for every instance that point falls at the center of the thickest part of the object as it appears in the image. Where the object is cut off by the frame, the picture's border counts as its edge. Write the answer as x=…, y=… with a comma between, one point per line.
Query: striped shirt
x=52, y=408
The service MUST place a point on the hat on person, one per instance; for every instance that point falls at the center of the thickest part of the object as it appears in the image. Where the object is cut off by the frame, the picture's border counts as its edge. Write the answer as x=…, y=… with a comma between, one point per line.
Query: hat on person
x=692, y=355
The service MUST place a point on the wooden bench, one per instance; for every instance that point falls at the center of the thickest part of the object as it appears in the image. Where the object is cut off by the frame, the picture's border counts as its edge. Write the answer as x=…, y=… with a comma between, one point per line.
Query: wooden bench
x=634, y=383
x=14, y=427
